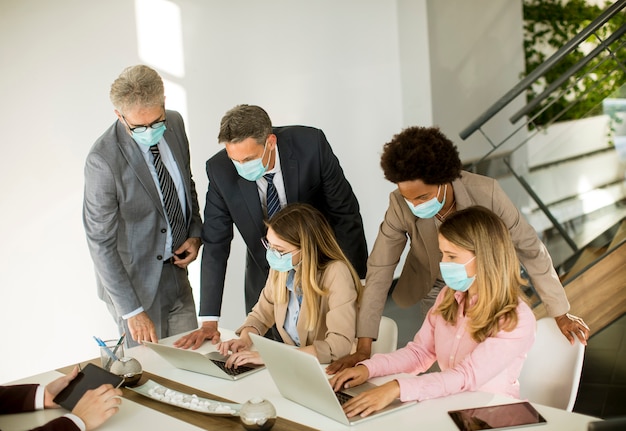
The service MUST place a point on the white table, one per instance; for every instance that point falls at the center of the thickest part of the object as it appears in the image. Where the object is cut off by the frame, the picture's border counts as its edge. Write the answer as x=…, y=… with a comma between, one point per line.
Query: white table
x=426, y=415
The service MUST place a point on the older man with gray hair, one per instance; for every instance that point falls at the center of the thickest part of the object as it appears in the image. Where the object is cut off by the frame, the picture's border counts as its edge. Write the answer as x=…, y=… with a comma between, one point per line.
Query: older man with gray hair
x=141, y=213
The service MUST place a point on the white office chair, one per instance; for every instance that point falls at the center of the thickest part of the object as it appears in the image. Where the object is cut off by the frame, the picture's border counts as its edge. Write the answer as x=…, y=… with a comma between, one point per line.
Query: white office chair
x=387, y=340
x=551, y=372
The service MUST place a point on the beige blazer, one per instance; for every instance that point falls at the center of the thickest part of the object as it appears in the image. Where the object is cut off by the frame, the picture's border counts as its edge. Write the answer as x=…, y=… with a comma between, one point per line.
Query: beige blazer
x=334, y=335
x=421, y=267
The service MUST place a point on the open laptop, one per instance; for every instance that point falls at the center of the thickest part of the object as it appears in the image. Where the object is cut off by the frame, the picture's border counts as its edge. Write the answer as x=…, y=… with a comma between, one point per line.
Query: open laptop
x=212, y=363
x=300, y=378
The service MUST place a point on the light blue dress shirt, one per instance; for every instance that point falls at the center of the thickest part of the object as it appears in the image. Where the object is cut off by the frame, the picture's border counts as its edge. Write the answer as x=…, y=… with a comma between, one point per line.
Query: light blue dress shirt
x=293, y=309
x=170, y=164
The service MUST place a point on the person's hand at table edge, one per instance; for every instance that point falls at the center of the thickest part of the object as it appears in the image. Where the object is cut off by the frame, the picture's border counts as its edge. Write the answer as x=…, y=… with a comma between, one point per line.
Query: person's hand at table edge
x=195, y=339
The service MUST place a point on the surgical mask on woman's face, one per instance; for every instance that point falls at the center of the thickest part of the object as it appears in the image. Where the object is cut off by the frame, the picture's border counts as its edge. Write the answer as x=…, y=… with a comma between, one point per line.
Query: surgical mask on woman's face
x=455, y=275
x=254, y=169
x=150, y=136
x=429, y=208
x=280, y=262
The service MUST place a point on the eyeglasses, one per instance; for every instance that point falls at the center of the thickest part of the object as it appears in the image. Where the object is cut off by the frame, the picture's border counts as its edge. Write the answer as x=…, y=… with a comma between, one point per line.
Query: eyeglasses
x=275, y=252
x=141, y=129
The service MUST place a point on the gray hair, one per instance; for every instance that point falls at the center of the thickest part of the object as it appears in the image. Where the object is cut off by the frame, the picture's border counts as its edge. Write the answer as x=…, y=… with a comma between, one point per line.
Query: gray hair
x=243, y=122
x=137, y=86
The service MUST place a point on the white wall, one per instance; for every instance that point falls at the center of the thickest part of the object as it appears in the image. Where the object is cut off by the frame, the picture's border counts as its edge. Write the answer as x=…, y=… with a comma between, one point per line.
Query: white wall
x=476, y=57
x=358, y=69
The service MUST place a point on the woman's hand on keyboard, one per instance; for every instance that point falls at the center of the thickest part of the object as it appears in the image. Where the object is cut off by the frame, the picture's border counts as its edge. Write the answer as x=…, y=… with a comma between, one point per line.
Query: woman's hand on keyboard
x=244, y=357
x=232, y=346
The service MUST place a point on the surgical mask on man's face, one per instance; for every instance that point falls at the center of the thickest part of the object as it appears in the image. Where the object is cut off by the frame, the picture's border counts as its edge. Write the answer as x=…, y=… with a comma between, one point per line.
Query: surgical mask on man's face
x=150, y=136
x=252, y=170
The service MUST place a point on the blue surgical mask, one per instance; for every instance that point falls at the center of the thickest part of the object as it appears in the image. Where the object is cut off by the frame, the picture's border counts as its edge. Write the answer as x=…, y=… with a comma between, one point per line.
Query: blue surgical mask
x=455, y=275
x=150, y=136
x=429, y=208
x=252, y=170
x=279, y=262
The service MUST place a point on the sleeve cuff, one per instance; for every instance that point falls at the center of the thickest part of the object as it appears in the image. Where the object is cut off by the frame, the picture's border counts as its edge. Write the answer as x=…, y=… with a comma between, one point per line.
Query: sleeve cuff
x=132, y=313
x=209, y=318
x=78, y=421
x=39, y=397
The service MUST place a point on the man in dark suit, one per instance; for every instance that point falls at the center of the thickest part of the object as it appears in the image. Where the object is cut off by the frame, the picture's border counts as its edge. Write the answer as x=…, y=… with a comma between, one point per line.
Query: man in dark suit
x=141, y=212
x=260, y=170
x=93, y=409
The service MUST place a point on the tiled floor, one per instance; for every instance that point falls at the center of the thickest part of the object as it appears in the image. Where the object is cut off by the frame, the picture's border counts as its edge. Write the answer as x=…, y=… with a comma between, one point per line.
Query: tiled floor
x=602, y=391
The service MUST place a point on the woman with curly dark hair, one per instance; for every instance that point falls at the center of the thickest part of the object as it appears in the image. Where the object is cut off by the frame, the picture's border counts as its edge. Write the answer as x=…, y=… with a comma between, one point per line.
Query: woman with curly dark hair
x=426, y=167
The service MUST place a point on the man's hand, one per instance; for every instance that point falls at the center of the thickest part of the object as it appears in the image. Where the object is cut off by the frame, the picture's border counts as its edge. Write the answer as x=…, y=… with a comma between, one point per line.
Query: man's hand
x=96, y=406
x=53, y=389
x=573, y=327
x=208, y=331
x=363, y=352
x=189, y=249
x=142, y=328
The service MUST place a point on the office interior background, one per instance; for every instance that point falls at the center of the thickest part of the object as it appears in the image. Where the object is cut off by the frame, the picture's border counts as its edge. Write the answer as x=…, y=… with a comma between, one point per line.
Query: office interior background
x=361, y=70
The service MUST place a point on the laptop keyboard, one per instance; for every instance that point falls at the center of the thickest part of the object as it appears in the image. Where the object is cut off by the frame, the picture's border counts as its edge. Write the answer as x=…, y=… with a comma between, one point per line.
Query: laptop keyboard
x=343, y=397
x=231, y=371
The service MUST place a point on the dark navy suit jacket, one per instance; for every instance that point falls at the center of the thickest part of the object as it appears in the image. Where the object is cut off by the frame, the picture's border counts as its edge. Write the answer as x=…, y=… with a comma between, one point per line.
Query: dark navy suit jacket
x=311, y=174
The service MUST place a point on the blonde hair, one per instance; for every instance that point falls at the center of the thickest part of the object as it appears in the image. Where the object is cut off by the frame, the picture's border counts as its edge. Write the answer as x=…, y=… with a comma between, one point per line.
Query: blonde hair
x=498, y=277
x=137, y=86
x=305, y=227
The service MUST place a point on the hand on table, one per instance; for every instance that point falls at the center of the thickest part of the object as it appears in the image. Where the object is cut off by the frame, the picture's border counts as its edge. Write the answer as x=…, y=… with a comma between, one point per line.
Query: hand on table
x=142, y=328
x=195, y=339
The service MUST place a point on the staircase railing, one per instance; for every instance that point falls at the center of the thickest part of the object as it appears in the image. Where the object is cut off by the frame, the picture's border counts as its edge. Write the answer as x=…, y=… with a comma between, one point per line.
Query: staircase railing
x=529, y=80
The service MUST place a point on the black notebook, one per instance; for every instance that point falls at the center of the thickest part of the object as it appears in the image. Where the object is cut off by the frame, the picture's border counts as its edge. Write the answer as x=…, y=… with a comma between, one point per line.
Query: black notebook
x=90, y=377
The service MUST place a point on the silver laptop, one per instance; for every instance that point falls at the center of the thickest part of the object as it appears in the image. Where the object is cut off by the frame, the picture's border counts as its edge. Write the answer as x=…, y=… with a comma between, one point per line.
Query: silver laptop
x=300, y=378
x=212, y=363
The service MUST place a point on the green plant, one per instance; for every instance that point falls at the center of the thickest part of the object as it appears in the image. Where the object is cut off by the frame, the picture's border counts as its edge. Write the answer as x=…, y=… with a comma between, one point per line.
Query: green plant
x=550, y=24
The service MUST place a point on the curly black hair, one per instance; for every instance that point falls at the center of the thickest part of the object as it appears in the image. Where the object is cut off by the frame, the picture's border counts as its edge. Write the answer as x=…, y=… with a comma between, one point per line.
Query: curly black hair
x=421, y=153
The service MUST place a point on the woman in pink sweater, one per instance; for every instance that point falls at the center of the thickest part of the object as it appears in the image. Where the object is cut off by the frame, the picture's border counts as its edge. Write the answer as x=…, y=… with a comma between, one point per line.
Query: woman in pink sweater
x=479, y=329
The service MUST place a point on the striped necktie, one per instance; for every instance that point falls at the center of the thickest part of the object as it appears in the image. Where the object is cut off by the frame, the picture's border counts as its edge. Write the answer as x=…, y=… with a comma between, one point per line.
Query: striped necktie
x=171, y=202
x=273, y=203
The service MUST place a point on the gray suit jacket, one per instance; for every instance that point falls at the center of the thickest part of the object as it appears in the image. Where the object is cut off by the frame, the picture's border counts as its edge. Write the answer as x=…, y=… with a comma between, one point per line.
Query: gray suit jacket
x=123, y=216
x=421, y=267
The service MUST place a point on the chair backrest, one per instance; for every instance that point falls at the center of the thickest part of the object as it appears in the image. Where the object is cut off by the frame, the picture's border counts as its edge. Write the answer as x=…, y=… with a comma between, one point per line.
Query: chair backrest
x=387, y=340
x=551, y=372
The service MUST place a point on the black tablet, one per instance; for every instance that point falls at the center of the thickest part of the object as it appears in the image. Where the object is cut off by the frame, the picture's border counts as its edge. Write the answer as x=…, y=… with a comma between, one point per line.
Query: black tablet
x=497, y=417
x=90, y=377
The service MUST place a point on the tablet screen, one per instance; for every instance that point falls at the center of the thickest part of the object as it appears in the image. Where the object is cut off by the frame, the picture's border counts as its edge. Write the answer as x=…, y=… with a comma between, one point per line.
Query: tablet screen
x=496, y=417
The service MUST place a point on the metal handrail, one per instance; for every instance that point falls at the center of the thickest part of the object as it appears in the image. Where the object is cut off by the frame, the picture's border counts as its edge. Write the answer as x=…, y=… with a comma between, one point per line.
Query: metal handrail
x=540, y=70
x=568, y=74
